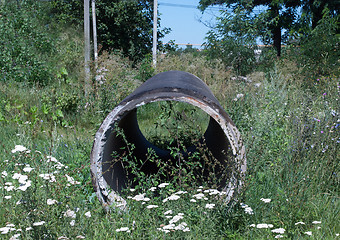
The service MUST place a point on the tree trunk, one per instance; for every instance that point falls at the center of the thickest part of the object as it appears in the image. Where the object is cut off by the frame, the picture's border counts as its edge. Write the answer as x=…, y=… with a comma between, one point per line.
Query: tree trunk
x=277, y=40
x=276, y=28
x=317, y=14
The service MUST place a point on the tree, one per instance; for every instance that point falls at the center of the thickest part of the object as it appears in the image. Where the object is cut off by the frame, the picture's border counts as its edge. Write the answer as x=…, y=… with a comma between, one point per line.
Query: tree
x=121, y=24
x=269, y=23
x=232, y=40
x=313, y=10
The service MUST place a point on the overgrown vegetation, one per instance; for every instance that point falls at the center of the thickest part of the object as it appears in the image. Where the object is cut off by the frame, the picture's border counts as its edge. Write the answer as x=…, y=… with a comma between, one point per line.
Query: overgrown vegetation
x=286, y=109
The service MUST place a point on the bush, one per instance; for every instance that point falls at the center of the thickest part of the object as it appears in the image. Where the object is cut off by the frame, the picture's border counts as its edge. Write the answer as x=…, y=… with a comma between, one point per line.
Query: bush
x=318, y=53
x=25, y=44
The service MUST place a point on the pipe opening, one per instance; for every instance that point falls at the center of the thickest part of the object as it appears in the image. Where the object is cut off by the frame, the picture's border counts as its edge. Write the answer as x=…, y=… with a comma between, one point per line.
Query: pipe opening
x=206, y=154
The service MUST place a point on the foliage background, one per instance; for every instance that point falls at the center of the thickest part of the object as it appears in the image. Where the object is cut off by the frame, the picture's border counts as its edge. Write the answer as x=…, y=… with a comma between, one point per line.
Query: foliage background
x=287, y=110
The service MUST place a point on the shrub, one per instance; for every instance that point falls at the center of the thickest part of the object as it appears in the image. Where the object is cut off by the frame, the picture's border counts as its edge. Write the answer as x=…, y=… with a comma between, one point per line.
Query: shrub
x=25, y=44
x=318, y=53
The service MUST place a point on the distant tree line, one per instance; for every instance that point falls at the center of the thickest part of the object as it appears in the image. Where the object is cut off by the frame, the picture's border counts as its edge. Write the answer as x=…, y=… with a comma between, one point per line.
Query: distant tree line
x=121, y=24
x=307, y=23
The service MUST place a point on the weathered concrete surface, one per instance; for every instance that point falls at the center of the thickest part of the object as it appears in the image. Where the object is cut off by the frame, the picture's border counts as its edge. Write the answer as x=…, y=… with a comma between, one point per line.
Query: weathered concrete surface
x=221, y=136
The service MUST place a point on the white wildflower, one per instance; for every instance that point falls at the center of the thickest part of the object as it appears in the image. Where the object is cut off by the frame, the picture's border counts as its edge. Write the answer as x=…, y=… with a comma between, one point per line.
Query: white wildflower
x=182, y=226
x=302, y=223
x=88, y=214
x=8, y=197
x=70, y=213
x=19, y=148
x=308, y=233
x=214, y=192
x=279, y=236
x=16, y=175
x=169, y=226
x=176, y=219
x=139, y=197
x=249, y=210
x=15, y=236
x=152, y=206
x=193, y=200
x=316, y=222
x=279, y=230
x=163, y=230
x=28, y=228
x=264, y=225
x=22, y=179
x=51, y=201
x=168, y=212
x=162, y=185
x=80, y=237
x=5, y=230
x=71, y=180
x=52, y=159
x=199, y=196
x=180, y=192
x=8, y=188
x=174, y=197
x=123, y=229
x=152, y=189
x=210, y=206
x=266, y=200
x=47, y=176
x=72, y=223
x=39, y=223
x=25, y=185
x=27, y=169
x=4, y=174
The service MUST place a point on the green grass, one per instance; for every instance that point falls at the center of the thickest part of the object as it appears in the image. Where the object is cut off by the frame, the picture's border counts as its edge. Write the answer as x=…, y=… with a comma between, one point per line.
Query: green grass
x=291, y=133
x=289, y=122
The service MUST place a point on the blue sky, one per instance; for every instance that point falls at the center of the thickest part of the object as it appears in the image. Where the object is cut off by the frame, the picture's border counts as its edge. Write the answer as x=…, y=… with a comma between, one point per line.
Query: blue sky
x=184, y=19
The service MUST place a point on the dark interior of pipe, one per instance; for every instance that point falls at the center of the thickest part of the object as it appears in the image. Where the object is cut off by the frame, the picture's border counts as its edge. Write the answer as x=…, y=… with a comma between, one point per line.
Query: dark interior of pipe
x=116, y=149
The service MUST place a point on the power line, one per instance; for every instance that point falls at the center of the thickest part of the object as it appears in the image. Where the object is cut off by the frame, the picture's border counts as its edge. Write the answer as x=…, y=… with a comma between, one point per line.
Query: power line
x=196, y=7
x=177, y=5
x=185, y=6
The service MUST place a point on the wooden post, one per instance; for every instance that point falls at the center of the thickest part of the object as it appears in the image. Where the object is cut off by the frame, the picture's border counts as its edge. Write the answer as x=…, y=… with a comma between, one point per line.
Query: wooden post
x=154, y=43
x=95, y=48
x=87, y=86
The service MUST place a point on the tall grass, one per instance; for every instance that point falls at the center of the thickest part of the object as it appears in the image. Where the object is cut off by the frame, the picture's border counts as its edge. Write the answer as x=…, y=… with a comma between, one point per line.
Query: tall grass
x=291, y=132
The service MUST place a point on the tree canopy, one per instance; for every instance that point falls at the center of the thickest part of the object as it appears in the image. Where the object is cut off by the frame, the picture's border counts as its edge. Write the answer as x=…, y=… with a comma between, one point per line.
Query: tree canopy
x=268, y=18
x=122, y=25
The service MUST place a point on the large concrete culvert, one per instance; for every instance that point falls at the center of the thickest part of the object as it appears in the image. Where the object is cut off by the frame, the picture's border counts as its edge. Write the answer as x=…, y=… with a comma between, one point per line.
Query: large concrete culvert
x=221, y=137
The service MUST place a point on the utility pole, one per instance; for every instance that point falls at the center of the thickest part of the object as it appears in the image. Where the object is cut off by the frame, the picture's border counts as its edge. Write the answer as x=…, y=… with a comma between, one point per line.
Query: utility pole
x=154, y=43
x=95, y=48
x=87, y=46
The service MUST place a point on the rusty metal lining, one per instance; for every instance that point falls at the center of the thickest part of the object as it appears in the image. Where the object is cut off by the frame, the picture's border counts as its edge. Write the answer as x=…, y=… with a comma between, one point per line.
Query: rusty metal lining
x=108, y=179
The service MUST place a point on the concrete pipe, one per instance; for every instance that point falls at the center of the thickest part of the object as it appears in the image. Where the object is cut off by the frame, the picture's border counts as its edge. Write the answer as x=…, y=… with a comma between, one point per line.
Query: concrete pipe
x=221, y=138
